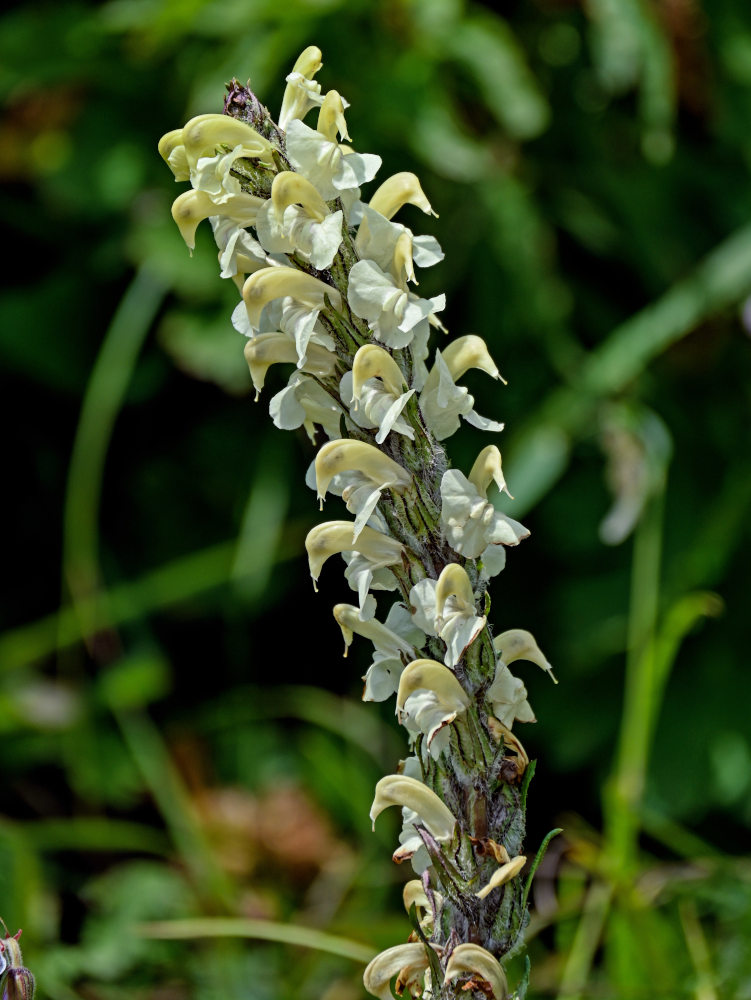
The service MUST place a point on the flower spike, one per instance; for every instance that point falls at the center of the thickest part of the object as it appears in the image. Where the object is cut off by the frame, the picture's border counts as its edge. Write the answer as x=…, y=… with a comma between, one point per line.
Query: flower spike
x=326, y=278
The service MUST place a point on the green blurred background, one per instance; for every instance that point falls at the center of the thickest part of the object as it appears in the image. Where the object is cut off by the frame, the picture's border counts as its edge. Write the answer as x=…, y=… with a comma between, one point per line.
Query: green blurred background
x=179, y=735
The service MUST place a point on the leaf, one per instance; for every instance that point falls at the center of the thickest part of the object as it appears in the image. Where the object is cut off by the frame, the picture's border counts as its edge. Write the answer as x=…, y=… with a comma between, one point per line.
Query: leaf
x=435, y=968
x=528, y=775
x=521, y=990
x=538, y=859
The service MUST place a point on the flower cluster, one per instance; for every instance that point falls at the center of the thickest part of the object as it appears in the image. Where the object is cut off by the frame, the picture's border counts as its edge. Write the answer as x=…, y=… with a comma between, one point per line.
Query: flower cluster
x=327, y=278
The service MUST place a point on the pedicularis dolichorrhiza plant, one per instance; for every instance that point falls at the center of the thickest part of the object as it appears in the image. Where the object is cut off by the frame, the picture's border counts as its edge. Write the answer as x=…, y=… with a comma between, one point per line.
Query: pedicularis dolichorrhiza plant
x=327, y=280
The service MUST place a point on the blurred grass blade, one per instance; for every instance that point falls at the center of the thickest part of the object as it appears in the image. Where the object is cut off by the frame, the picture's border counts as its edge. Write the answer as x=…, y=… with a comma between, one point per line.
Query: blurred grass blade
x=104, y=397
x=262, y=930
x=160, y=588
x=586, y=942
x=631, y=50
x=160, y=776
x=698, y=950
x=93, y=833
x=539, y=452
x=487, y=47
x=263, y=523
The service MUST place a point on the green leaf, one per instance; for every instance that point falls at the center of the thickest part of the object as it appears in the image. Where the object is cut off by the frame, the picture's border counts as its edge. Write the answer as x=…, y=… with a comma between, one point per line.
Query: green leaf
x=536, y=863
x=528, y=775
x=435, y=968
x=521, y=990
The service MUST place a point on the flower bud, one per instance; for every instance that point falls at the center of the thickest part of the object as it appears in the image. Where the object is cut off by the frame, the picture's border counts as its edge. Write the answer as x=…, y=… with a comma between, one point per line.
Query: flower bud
x=331, y=117
x=461, y=355
x=290, y=188
x=269, y=349
x=371, y=361
x=518, y=644
x=192, y=207
x=399, y=790
x=337, y=536
x=504, y=874
x=350, y=621
x=399, y=190
x=172, y=151
x=487, y=468
x=344, y=455
x=204, y=133
x=434, y=677
x=453, y=582
x=301, y=93
x=414, y=893
x=277, y=282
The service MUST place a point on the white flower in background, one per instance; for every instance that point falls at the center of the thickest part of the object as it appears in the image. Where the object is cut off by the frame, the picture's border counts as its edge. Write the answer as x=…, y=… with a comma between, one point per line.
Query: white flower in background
x=442, y=401
x=326, y=164
x=394, y=315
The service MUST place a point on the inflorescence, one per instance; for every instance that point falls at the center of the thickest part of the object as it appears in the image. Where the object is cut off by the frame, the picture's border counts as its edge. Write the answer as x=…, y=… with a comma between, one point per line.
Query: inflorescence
x=327, y=282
